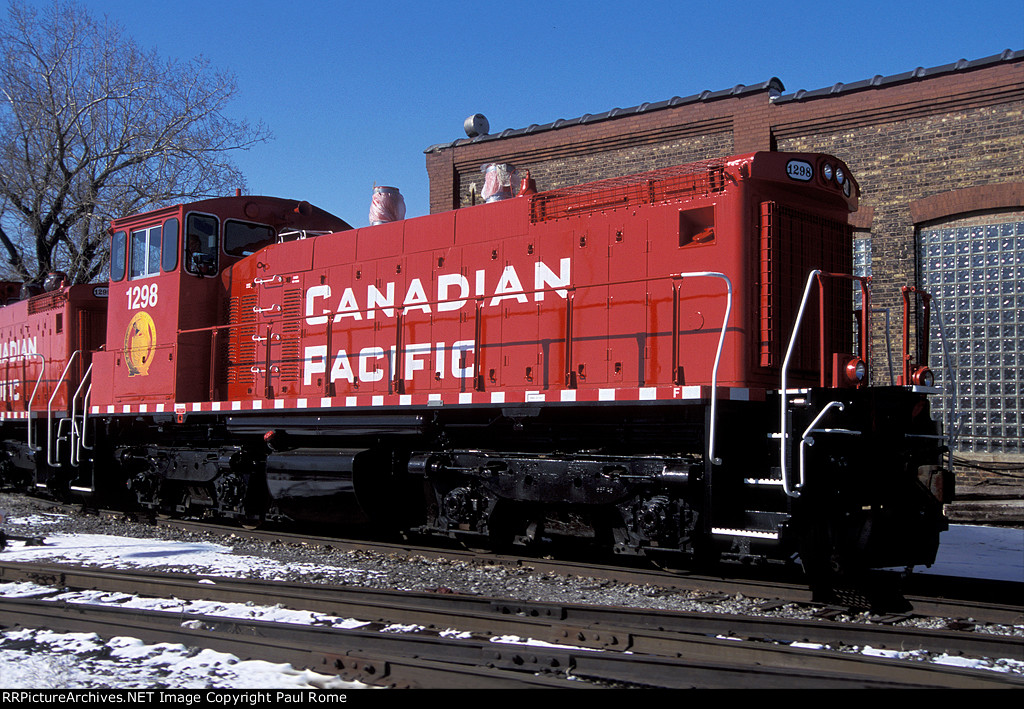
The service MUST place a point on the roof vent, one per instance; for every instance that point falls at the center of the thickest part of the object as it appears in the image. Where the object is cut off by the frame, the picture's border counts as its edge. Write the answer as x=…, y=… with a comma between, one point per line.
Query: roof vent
x=476, y=125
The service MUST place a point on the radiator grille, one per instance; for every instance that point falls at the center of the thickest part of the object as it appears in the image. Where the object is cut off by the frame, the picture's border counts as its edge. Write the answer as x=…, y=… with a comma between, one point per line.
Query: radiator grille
x=794, y=243
x=291, y=363
x=242, y=349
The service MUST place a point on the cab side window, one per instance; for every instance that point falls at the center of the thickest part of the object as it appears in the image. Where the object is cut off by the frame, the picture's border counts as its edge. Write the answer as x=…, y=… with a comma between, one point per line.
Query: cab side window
x=243, y=238
x=118, y=252
x=201, y=245
x=170, y=248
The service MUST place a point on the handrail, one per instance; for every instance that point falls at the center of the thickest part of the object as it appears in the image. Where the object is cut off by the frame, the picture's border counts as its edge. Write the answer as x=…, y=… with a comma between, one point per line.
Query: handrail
x=329, y=314
x=85, y=417
x=28, y=407
x=718, y=355
x=74, y=414
x=8, y=391
x=806, y=440
x=273, y=280
x=478, y=350
x=954, y=418
x=49, y=410
x=570, y=373
x=397, y=383
x=28, y=403
x=815, y=275
x=920, y=358
x=784, y=433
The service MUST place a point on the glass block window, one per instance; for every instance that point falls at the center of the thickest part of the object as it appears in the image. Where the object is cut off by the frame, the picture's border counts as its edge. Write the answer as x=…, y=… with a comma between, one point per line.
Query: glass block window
x=861, y=267
x=861, y=263
x=976, y=276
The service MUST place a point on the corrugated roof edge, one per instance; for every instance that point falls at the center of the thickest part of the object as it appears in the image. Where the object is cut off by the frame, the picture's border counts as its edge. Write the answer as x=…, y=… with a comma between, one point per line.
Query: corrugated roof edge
x=773, y=86
x=879, y=81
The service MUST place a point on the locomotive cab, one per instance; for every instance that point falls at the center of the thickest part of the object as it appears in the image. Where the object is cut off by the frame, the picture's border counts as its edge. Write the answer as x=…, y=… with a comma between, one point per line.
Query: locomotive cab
x=168, y=292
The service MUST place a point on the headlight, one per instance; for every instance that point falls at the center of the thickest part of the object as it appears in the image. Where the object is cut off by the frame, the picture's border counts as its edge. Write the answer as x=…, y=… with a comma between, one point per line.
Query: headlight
x=826, y=170
x=923, y=376
x=856, y=370
x=840, y=175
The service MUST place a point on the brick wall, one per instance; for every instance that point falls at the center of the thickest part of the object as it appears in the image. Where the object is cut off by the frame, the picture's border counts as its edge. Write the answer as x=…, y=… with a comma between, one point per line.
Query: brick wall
x=562, y=171
x=900, y=161
x=579, y=152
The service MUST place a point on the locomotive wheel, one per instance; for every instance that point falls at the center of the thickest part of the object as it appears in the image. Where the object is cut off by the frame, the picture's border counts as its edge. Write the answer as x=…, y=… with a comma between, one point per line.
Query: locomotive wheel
x=253, y=523
x=668, y=562
x=819, y=560
x=675, y=562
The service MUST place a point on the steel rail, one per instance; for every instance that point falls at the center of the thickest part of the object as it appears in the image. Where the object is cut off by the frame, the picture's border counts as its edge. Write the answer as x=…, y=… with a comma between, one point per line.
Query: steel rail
x=317, y=648
x=270, y=642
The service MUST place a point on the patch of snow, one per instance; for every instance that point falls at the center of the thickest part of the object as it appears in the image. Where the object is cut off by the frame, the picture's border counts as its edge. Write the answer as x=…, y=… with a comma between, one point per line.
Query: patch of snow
x=185, y=557
x=41, y=659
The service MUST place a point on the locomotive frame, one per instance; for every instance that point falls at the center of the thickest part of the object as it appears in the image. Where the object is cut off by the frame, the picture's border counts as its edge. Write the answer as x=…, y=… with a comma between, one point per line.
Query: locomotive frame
x=668, y=385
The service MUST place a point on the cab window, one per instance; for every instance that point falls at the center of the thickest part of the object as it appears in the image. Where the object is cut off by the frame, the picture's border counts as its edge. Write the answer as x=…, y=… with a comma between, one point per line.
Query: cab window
x=243, y=239
x=118, y=252
x=145, y=253
x=201, y=244
x=169, y=261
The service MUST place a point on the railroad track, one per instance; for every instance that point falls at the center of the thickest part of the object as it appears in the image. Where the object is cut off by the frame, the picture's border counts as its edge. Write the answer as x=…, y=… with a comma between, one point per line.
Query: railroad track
x=603, y=646
x=978, y=600
x=963, y=601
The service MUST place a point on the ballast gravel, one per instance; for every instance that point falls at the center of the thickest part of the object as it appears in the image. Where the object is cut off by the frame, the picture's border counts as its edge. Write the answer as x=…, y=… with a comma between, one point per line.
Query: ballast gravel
x=31, y=517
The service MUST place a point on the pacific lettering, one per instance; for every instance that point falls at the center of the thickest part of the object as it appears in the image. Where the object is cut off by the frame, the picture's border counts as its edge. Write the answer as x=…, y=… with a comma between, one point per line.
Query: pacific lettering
x=372, y=363
x=10, y=390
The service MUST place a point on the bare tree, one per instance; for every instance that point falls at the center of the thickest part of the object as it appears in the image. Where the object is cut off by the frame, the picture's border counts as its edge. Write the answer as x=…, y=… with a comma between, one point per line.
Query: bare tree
x=93, y=127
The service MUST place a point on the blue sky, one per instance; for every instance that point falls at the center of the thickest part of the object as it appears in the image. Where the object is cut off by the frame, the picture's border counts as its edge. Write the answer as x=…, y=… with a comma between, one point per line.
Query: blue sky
x=355, y=91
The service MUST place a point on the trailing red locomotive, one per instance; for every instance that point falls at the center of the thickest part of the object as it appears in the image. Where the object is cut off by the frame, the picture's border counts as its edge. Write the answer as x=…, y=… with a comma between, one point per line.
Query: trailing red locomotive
x=658, y=364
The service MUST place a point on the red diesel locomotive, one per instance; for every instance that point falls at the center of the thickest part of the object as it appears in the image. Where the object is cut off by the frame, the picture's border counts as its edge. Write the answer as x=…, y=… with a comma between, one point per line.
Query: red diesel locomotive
x=659, y=364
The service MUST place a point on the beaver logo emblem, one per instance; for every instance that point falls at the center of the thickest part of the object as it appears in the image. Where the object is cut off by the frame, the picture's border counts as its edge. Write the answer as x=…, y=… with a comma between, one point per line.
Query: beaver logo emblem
x=139, y=343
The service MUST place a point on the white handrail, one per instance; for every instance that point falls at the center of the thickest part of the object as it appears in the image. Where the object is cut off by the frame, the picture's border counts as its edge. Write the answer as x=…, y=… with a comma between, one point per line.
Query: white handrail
x=39, y=379
x=806, y=440
x=784, y=433
x=85, y=417
x=718, y=355
x=82, y=444
x=74, y=415
x=49, y=410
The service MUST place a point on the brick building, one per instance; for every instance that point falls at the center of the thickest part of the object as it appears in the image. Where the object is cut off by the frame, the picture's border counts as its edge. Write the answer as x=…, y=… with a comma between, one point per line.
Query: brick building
x=939, y=154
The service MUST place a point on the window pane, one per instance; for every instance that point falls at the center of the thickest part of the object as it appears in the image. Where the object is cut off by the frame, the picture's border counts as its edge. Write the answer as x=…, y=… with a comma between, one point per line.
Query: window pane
x=241, y=239
x=170, y=245
x=201, y=245
x=153, y=252
x=145, y=253
x=118, y=252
